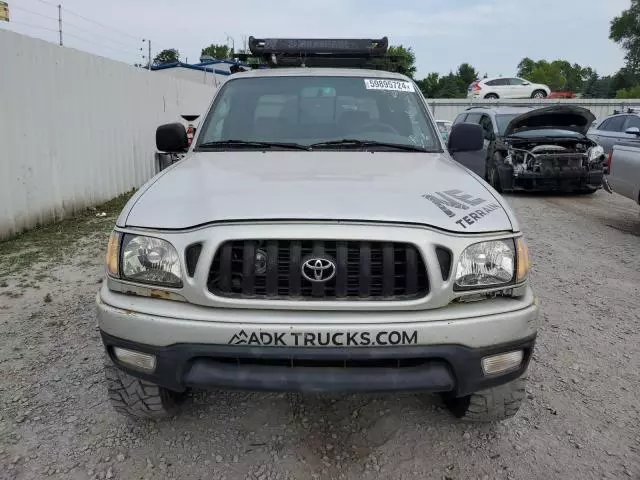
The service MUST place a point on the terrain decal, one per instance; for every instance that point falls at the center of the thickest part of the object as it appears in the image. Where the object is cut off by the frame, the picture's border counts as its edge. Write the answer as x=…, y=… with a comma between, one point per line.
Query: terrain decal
x=323, y=339
x=450, y=202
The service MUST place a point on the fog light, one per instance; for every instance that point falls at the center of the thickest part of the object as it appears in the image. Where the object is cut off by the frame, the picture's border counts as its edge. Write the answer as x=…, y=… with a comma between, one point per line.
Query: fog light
x=138, y=360
x=502, y=363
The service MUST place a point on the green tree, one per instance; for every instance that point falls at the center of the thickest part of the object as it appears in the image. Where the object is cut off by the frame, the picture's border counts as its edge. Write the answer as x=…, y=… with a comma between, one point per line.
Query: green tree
x=631, y=92
x=558, y=74
x=625, y=31
x=453, y=85
x=467, y=74
x=220, y=52
x=398, y=58
x=430, y=85
x=169, y=55
x=574, y=75
x=450, y=87
x=624, y=79
x=547, y=73
x=525, y=67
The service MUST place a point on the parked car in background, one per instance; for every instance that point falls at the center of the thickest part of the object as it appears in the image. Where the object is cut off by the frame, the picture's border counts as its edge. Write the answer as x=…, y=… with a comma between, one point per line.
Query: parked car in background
x=617, y=129
x=624, y=171
x=503, y=87
x=536, y=149
x=444, y=126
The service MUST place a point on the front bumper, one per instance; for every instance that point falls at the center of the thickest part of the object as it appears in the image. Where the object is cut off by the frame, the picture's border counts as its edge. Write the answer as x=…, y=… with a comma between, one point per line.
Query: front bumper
x=432, y=350
x=566, y=180
x=437, y=368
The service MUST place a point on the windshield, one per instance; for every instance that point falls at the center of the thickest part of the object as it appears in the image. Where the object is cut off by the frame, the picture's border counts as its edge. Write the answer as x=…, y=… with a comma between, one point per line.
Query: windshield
x=307, y=110
x=503, y=119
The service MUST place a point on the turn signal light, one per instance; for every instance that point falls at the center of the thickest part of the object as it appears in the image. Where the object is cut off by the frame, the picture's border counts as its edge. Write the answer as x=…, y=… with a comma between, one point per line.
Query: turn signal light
x=138, y=360
x=502, y=363
x=524, y=262
x=113, y=254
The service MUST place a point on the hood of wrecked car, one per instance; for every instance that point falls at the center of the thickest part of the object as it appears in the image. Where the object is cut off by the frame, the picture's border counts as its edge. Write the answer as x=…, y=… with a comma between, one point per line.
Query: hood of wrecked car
x=416, y=188
x=563, y=117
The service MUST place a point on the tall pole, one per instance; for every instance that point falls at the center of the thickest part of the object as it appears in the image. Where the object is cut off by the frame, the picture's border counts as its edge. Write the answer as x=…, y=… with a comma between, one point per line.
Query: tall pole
x=233, y=43
x=149, y=44
x=60, y=22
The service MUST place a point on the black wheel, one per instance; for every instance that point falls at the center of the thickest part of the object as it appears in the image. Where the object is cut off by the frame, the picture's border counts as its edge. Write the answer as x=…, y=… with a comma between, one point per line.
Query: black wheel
x=539, y=94
x=490, y=405
x=491, y=96
x=138, y=398
x=493, y=177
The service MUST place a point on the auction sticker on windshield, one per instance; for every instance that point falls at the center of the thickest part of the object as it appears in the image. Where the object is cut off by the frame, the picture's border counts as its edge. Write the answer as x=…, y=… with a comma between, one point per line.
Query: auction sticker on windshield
x=385, y=84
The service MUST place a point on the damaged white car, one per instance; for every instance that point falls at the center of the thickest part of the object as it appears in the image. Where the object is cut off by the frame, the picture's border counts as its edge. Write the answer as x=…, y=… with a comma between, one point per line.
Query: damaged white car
x=537, y=149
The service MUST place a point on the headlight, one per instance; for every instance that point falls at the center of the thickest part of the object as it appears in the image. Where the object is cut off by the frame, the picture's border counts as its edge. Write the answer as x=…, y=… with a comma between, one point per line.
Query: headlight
x=150, y=260
x=485, y=265
x=595, y=153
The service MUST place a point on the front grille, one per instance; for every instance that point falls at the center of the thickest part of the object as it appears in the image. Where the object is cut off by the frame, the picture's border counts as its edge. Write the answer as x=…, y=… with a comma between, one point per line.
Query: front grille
x=272, y=269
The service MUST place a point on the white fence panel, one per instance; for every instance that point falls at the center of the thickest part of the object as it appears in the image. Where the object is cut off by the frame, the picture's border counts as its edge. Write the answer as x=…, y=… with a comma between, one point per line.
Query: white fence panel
x=77, y=129
x=448, y=109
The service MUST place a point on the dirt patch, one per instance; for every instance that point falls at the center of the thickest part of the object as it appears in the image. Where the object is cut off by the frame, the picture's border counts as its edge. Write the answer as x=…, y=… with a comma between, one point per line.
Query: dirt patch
x=50, y=243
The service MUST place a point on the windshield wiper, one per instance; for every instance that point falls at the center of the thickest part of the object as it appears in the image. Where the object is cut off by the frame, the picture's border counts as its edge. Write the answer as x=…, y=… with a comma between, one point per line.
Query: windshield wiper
x=252, y=144
x=347, y=142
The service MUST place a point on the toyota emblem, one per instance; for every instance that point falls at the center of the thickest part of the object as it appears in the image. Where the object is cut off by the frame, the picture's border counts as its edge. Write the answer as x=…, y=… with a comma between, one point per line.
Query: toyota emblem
x=318, y=269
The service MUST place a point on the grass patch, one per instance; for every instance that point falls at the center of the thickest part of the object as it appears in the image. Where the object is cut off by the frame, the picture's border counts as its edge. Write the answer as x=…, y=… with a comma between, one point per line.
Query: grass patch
x=50, y=243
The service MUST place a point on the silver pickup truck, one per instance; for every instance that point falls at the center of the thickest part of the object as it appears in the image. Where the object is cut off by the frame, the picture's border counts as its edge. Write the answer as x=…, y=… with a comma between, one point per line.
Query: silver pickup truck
x=318, y=236
x=624, y=171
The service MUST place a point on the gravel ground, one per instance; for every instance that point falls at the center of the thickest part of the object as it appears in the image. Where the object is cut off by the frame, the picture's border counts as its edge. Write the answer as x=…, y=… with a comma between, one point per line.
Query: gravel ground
x=580, y=420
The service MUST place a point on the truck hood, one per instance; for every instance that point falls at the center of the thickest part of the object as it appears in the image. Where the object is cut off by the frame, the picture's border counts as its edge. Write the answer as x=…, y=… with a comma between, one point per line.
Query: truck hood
x=564, y=117
x=426, y=189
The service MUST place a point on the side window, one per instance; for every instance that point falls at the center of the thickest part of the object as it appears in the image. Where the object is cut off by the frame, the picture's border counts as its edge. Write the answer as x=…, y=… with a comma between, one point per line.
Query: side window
x=499, y=82
x=473, y=118
x=614, y=124
x=515, y=81
x=487, y=127
x=632, y=121
x=603, y=124
x=460, y=118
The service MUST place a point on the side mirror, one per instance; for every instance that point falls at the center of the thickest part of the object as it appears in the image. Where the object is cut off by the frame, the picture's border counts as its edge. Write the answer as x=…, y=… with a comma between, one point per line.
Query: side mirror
x=172, y=137
x=526, y=83
x=633, y=131
x=466, y=137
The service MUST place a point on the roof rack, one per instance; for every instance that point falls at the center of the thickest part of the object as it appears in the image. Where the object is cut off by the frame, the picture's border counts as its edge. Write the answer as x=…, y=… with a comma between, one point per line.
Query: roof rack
x=320, y=52
x=628, y=110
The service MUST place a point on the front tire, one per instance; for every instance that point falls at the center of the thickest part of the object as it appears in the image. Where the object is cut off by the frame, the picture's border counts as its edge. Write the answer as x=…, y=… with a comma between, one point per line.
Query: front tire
x=136, y=398
x=493, y=177
x=539, y=94
x=491, y=405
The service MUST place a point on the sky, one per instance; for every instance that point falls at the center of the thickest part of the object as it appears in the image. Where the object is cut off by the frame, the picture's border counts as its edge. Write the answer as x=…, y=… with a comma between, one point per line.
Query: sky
x=491, y=35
